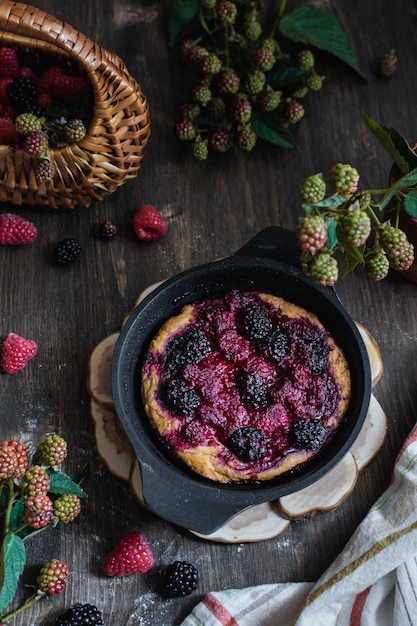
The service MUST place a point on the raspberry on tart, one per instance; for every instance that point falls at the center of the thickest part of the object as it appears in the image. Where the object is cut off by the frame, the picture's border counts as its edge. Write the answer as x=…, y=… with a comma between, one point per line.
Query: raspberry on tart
x=244, y=386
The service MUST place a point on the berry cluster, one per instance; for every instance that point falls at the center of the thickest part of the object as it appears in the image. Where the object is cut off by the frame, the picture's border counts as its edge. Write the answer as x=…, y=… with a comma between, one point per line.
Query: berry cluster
x=346, y=221
x=41, y=109
x=247, y=87
x=36, y=494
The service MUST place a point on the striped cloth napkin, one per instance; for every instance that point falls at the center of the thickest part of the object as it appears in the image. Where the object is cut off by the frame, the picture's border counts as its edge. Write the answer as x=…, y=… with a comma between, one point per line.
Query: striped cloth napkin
x=373, y=582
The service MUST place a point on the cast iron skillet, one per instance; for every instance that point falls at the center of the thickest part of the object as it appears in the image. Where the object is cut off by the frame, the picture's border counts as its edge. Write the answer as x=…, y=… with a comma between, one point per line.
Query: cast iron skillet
x=268, y=262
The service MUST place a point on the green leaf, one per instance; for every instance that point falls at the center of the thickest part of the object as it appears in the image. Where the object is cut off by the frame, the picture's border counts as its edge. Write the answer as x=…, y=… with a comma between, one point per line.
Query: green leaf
x=331, y=233
x=315, y=27
x=394, y=143
x=269, y=127
x=332, y=202
x=183, y=15
x=408, y=180
x=13, y=559
x=410, y=203
x=284, y=76
x=16, y=514
x=61, y=484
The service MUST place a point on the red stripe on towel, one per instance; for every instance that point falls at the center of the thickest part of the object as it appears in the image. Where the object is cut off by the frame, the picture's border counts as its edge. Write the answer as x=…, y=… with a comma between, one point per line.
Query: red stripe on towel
x=219, y=611
x=358, y=606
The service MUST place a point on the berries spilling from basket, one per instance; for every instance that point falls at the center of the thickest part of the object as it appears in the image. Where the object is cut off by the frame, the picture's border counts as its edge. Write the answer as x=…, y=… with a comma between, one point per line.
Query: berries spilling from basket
x=41, y=108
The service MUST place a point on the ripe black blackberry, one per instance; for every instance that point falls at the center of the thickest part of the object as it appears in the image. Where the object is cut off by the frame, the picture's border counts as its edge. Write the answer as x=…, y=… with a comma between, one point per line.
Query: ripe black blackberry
x=181, y=579
x=108, y=230
x=190, y=347
x=306, y=435
x=67, y=251
x=255, y=322
x=252, y=390
x=23, y=92
x=179, y=397
x=248, y=443
x=80, y=615
x=276, y=346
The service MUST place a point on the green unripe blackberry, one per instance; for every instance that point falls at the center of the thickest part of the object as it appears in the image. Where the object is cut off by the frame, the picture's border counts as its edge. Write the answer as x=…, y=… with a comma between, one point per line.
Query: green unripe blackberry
x=67, y=507
x=216, y=108
x=246, y=139
x=221, y=140
x=27, y=123
x=311, y=233
x=228, y=81
x=344, y=178
x=268, y=44
x=35, y=481
x=294, y=111
x=226, y=12
x=405, y=260
x=356, y=227
x=44, y=171
x=252, y=30
x=74, y=131
x=240, y=110
x=376, y=264
x=269, y=99
x=211, y=64
x=393, y=240
x=305, y=59
x=314, y=82
x=36, y=143
x=207, y=4
x=313, y=189
x=324, y=270
x=190, y=110
x=263, y=59
x=255, y=82
x=202, y=94
x=185, y=130
x=200, y=149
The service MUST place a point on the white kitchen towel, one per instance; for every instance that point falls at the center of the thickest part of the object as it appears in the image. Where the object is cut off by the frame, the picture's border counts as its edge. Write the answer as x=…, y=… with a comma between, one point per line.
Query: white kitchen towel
x=373, y=582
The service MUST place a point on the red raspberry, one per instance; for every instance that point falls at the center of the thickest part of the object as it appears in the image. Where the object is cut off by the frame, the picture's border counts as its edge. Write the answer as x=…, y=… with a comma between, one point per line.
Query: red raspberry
x=53, y=577
x=62, y=86
x=21, y=456
x=51, y=452
x=311, y=233
x=45, y=100
x=132, y=555
x=27, y=71
x=148, y=223
x=35, y=481
x=5, y=83
x=15, y=230
x=9, y=65
x=8, y=112
x=16, y=353
x=8, y=133
x=67, y=507
x=38, y=511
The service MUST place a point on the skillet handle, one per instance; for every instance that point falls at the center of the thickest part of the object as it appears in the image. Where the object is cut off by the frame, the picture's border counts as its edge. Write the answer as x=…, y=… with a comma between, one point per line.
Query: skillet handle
x=274, y=242
x=173, y=503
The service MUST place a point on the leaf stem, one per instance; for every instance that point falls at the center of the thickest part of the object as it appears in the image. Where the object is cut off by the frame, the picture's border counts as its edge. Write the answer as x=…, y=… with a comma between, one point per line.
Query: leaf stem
x=29, y=602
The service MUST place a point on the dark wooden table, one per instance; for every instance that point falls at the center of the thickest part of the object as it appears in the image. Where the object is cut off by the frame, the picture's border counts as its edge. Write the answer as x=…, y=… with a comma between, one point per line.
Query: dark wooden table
x=211, y=209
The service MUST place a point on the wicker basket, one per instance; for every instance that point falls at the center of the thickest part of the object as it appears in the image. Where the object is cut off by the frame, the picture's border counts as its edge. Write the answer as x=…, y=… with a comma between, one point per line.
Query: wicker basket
x=111, y=151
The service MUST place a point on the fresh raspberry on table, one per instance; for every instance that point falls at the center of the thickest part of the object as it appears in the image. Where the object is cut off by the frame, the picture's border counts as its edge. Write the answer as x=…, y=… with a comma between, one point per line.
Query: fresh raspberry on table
x=15, y=230
x=62, y=86
x=80, y=615
x=393, y=240
x=21, y=455
x=313, y=189
x=132, y=555
x=9, y=64
x=53, y=577
x=344, y=178
x=356, y=227
x=35, y=481
x=38, y=511
x=52, y=451
x=311, y=233
x=8, y=133
x=376, y=264
x=148, y=223
x=324, y=269
x=36, y=143
x=16, y=352
x=67, y=507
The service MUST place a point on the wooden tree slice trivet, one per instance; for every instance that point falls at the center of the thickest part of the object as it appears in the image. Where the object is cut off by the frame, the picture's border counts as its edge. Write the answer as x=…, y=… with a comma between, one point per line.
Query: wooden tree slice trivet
x=259, y=522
